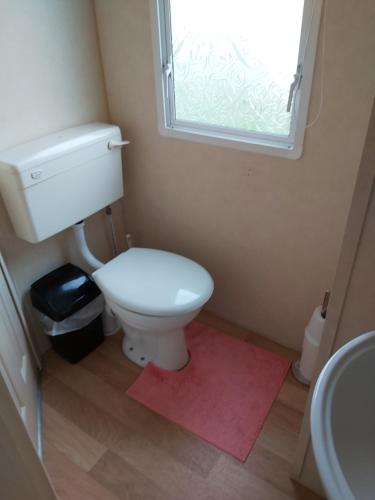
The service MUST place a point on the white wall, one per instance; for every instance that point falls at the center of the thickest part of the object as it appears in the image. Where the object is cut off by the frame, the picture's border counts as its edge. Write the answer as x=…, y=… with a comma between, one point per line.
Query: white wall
x=50, y=79
x=268, y=229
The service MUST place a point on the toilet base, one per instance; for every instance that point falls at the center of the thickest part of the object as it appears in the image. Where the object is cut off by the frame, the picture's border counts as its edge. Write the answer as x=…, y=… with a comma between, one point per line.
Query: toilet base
x=166, y=350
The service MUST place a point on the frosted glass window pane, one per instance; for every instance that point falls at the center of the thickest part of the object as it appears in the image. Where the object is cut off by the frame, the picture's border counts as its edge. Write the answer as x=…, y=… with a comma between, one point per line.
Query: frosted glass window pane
x=233, y=62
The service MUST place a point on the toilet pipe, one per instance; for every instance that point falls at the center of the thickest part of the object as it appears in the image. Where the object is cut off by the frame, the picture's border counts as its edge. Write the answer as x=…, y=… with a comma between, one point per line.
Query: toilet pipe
x=79, y=236
x=110, y=323
x=108, y=212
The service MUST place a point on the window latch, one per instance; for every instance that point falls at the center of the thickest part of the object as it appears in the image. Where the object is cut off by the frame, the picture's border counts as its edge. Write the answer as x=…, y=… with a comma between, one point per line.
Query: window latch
x=167, y=68
x=294, y=86
x=167, y=71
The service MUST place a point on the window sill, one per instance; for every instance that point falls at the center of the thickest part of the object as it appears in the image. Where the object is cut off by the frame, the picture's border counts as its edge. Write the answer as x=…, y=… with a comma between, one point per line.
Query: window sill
x=267, y=147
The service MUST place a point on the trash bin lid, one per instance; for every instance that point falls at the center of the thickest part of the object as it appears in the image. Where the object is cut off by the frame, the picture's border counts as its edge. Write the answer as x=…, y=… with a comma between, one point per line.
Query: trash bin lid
x=63, y=292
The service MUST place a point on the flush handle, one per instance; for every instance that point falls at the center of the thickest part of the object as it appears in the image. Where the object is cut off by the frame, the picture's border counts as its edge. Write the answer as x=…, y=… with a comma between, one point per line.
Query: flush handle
x=117, y=144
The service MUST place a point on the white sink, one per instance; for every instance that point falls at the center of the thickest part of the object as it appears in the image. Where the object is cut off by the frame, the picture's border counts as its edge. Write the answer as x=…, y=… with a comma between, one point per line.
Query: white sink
x=343, y=421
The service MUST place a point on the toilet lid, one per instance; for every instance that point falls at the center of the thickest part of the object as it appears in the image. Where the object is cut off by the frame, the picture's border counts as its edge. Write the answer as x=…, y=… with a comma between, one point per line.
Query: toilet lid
x=154, y=282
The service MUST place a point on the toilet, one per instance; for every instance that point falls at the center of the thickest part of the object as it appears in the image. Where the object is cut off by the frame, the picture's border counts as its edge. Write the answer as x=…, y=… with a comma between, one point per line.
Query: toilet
x=154, y=294
x=50, y=184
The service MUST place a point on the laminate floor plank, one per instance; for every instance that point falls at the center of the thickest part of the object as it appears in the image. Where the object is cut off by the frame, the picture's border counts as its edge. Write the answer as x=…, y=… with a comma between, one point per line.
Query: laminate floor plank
x=185, y=447
x=102, y=444
x=125, y=481
x=232, y=478
x=70, y=440
x=158, y=465
x=70, y=481
x=103, y=366
x=293, y=394
x=270, y=467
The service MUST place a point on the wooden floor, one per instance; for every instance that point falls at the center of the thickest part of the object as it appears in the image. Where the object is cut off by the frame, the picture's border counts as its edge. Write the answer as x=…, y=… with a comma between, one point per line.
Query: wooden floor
x=101, y=445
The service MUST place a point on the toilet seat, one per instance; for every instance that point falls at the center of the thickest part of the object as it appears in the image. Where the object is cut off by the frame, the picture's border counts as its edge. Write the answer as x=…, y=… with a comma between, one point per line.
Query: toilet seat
x=154, y=282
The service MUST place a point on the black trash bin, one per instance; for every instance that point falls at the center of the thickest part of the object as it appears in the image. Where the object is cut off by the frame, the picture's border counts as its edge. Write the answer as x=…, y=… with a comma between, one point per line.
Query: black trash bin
x=69, y=305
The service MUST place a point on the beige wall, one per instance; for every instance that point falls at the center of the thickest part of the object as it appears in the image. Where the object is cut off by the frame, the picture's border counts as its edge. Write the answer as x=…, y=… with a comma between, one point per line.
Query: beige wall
x=352, y=310
x=358, y=317
x=50, y=79
x=359, y=312
x=268, y=229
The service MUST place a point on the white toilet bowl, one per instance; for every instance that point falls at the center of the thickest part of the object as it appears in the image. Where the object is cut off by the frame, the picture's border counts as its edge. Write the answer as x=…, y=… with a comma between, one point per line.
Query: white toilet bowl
x=154, y=294
x=159, y=339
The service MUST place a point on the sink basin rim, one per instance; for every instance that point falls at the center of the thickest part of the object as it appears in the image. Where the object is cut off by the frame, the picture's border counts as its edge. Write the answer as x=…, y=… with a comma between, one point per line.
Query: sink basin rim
x=333, y=478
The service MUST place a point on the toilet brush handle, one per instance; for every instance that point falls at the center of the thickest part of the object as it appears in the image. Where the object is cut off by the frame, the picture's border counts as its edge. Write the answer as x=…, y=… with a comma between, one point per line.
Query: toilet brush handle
x=325, y=303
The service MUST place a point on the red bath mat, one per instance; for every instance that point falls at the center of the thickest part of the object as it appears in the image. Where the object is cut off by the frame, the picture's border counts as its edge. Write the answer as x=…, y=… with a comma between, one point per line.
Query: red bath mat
x=223, y=395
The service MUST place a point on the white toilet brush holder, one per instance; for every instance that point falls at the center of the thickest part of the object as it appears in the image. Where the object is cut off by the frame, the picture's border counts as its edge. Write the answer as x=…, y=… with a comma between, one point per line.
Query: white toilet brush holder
x=303, y=369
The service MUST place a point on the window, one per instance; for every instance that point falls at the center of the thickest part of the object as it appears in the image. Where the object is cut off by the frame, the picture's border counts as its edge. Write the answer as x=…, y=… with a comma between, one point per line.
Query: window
x=236, y=72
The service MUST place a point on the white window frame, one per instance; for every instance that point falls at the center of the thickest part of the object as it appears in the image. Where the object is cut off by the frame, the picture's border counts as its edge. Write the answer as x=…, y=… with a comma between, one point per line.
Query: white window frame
x=276, y=145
